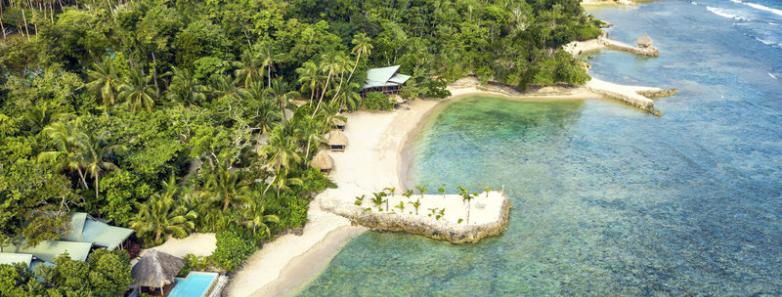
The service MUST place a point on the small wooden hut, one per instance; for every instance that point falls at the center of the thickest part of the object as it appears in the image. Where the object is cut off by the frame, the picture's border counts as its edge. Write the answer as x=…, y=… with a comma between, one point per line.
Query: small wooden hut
x=156, y=271
x=337, y=141
x=323, y=162
x=338, y=123
x=644, y=41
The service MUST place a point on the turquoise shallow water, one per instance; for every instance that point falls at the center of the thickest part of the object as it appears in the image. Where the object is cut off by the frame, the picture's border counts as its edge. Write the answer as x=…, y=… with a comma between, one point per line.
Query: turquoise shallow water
x=609, y=201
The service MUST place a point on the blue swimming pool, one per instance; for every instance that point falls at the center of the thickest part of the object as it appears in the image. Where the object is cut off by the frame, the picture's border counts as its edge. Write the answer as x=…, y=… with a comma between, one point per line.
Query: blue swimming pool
x=196, y=284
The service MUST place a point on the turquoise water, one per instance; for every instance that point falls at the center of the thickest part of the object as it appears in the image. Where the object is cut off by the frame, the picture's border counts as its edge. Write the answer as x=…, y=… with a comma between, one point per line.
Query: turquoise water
x=196, y=284
x=609, y=201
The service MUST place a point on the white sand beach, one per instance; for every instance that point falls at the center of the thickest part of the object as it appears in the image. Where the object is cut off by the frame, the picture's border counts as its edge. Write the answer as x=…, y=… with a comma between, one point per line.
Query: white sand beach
x=372, y=161
x=199, y=244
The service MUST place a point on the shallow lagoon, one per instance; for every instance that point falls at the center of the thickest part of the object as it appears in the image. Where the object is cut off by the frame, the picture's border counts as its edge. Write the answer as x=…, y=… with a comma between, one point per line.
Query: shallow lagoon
x=608, y=201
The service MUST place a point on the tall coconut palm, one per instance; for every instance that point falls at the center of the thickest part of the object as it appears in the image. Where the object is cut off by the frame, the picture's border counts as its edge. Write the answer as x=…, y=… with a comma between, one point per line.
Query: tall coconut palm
x=279, y=91
x=392, y=191
x=224, y=184
x=95, y=156
x=185, y=88
x=137, y=91
x=362, y=47
x=281, y=151
x=160, y=215
x=104, y=81
x=267, y=59
x=254, y=217
x=309, y=76
x=66, y=151
x=466, y=197
x=311, y=129
x=331, y=66
x=225, y=89
x=284, y=182
x=248, y=69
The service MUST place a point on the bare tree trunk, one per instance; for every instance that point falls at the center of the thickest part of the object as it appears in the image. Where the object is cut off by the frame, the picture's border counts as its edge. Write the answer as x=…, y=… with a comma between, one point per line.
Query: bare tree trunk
x=2, y=27
x=24, y=20
x=32, y=10
x=328, y=80
x=154, y=72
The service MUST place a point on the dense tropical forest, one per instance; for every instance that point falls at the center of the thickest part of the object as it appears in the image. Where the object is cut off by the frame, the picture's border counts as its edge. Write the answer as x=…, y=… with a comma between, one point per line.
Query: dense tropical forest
x=179, y=116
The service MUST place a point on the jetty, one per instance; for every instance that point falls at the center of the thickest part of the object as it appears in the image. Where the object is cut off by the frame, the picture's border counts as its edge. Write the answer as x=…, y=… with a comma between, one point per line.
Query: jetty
x=638, y=96
x=644, y=46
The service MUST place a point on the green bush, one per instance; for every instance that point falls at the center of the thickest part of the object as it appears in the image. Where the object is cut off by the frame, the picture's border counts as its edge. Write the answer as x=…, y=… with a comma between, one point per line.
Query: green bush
x=195, y=263
x=232, y=250
x=377, y=101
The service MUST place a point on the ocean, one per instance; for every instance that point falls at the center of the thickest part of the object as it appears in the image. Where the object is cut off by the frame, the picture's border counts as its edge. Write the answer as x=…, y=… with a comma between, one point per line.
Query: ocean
x=608, y=200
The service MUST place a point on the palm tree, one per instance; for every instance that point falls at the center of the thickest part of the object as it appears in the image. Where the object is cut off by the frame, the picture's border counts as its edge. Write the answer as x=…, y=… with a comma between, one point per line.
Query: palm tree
x=225, y=89
x=441, y=190
x=392, y=191
x=359, y=200
x=400, y=206
x=61, y=134
x=281, y=151
x=185, y=87
x=416, y=205
x=408, y=193
x=331, y=66
x=104, y=81
x=279, y=91
x=283, y=182
x=362, y=47
x=311, y=129
x=160, y=216
x=137, y=91
x=487, y=190
x=224, y=183
x=267, y=60
x=309, y=76
x=467, y=197
x=248, y=69
x=421, y=190
x=254, y=217
x=94, y=153
x=377, y=199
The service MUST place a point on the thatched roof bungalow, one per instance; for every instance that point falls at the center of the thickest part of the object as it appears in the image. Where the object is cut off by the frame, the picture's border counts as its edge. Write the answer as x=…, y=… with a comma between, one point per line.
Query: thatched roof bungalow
x=323, y=162
x=644, y=41
x=156, y=270
x=337, y=141
x=338, y=123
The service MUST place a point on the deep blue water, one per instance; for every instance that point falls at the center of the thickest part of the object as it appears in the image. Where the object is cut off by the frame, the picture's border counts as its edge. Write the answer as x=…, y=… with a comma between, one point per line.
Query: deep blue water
x=610, y=201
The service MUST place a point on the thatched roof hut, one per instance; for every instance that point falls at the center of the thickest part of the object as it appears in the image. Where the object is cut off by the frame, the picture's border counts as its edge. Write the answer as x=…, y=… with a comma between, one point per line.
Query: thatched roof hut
x=156, y=269
x=644, y=41
x=323, y=162
x=337, y=141
x=338, y=123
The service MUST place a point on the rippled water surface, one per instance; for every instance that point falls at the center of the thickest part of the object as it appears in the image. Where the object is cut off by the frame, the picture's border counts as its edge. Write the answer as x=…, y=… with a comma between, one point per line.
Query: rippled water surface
x=609, y=201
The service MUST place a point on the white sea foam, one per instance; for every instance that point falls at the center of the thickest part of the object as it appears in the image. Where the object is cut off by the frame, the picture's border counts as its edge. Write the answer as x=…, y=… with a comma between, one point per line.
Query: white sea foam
x=761, y=7
x=726, y=13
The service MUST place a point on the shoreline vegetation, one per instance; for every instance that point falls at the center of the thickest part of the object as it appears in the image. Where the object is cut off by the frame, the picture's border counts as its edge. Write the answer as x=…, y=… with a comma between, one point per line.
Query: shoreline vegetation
x=195, y=124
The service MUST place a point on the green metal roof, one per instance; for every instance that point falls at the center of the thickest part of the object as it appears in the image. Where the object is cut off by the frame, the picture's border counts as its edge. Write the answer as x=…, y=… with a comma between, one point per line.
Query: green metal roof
x=49, y=250
x=104, y=235
x=88, y=229
x=77, y=227
x=12, y=258
x=399, y=78
x=384, y=77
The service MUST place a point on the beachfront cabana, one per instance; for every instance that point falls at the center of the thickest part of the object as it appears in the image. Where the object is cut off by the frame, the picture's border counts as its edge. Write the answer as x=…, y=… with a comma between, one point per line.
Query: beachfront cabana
x=323, y=162
x=385, y=79
x=85, y=228
x=337, y=141
x=156, y=270
x=338, y=123
x=644, y=41
x=48, y=250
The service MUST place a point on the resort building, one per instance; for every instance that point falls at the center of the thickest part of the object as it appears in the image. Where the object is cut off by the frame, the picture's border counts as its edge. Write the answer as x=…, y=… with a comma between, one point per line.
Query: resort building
x=385, y=79
x=337, y=141
x=83, y=235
